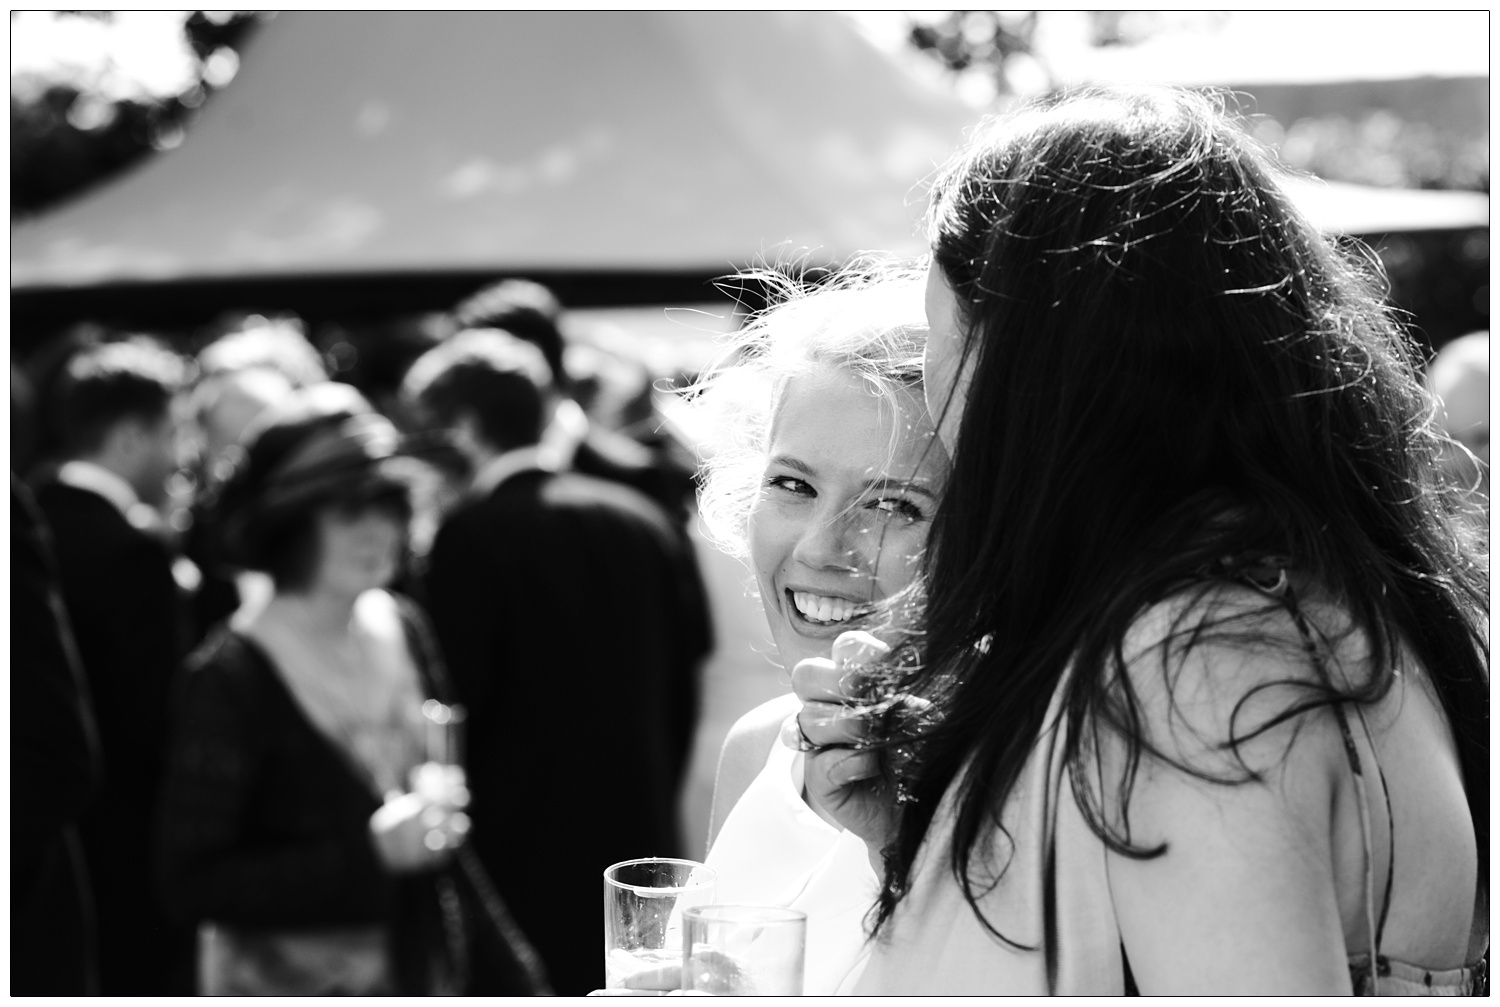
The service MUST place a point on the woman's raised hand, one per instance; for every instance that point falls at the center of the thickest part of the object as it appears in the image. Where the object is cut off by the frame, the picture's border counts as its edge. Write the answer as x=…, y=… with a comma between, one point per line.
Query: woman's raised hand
x=419, y=831
x=841, y=774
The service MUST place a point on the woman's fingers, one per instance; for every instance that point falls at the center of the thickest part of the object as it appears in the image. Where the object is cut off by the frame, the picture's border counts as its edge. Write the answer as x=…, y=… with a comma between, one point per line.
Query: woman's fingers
x=816, y=680
x=847, y=784
x=821, y=725
x=843, y=766
x=838, y=717
x=858, y=648
x=843, y=678
x=832, y=691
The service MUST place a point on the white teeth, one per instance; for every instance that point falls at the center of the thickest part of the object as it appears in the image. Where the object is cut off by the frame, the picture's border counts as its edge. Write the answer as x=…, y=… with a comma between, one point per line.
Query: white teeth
x=821, y=608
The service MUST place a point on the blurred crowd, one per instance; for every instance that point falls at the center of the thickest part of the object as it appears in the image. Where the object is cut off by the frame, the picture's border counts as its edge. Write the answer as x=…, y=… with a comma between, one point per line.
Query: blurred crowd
x=356, y=685
x=380, y=672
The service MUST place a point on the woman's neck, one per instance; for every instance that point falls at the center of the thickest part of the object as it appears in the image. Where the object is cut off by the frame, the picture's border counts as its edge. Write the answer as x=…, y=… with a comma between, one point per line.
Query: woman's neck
x=320, y=611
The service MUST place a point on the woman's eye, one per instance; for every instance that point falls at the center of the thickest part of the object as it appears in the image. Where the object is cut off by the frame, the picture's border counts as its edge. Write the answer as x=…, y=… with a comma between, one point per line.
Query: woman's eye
x=899, y=507
x=790, y=484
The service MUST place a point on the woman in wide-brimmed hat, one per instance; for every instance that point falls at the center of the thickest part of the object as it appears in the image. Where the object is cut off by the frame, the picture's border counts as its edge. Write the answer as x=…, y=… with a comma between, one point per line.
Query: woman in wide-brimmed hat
x=308, y=825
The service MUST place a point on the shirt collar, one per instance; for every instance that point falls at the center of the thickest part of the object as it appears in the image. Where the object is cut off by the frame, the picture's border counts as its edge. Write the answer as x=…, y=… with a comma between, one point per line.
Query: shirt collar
x=95, y=478
x=509, y=463
x=566, y=431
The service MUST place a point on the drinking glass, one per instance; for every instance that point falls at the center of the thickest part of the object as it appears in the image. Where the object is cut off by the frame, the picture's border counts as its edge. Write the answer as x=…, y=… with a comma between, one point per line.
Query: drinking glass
x=441, y=778
x=743, y=950
x=643, y=905
x=443, y=732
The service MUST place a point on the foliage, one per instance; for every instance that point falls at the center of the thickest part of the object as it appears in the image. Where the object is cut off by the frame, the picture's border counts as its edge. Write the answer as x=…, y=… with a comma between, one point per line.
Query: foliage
x=988, y=46
x=66, y=136
x=1370, y=146
x=1379, y=147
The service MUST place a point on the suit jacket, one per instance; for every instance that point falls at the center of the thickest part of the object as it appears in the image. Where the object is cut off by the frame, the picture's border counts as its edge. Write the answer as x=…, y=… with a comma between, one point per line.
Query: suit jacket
x=118, y=588
x=573, y=619
x=217, y=595
x=662, y=469
x=54, y=771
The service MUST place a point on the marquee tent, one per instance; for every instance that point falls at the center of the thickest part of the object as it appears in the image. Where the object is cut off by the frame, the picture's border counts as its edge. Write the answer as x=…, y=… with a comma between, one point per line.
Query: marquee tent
x=399, y=141
x=670, y=141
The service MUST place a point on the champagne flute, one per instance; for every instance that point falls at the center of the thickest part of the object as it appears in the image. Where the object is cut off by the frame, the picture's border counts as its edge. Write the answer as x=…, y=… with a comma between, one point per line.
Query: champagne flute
x=441, y=779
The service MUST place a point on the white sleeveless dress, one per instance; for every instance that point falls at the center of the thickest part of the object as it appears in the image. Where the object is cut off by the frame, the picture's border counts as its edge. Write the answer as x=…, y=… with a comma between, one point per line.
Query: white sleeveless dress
x=774, y=850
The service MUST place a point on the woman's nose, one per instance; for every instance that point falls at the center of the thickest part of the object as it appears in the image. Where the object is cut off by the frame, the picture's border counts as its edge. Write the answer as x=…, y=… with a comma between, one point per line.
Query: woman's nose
x=835, y=541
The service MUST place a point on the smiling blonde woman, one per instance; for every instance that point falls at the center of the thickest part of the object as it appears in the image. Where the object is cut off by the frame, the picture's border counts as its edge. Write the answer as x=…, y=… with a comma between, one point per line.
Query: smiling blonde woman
x=824, y=478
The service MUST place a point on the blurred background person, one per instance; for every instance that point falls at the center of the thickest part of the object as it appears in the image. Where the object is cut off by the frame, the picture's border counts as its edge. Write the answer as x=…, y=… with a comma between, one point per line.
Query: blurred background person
x=255, y=365
x=279, y=344
x=23, y=420
x=222, y=407
x=651, y=461
x=225, y=402
x=55, y=770
x=305, y=827
x=533, y=556
x=114, y=409
x=1459, y=378
x=373, y=355
x=608, y=424
x=38, y=380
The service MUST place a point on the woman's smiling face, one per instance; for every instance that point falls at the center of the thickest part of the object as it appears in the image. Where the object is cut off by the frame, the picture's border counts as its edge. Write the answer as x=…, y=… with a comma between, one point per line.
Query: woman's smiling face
x=845, y=503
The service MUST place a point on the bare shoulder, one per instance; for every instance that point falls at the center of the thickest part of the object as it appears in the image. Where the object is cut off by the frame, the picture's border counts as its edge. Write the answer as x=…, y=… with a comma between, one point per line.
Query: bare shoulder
x=755, y=731
x=1225, y=672
x=744, y=754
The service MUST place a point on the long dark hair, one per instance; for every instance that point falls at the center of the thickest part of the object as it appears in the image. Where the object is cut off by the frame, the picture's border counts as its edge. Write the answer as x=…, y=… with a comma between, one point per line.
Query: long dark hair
x=1174, y=377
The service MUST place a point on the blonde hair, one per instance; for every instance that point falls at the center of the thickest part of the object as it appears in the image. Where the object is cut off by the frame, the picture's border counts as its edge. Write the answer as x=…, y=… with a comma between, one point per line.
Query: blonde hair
x=868, y=322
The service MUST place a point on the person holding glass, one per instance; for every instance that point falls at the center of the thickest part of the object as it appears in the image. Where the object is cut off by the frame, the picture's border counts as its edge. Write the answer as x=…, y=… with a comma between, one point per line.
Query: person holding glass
x=1205, y=649
x=823, y=474
x=304, y=825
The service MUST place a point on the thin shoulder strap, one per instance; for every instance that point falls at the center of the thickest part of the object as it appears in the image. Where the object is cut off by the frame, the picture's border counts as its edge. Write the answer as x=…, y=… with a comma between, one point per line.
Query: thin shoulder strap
x=1376, y=926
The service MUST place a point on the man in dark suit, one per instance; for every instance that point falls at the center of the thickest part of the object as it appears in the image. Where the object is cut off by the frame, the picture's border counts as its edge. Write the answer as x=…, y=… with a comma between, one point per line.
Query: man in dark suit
x=54, y=772
x=573, y=619
x=115, y=413
x=653, y=462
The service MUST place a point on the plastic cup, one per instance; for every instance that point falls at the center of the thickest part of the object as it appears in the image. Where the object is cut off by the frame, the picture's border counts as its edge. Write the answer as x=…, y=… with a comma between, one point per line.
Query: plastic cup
x=643, y=905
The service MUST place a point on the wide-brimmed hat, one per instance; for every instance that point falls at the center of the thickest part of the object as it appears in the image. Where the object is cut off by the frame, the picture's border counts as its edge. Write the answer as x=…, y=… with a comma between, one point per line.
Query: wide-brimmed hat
x=319, y=447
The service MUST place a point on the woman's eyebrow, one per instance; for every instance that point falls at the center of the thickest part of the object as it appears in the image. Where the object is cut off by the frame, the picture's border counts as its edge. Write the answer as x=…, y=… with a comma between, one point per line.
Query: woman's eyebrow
x=795, y=464
x=908, y=485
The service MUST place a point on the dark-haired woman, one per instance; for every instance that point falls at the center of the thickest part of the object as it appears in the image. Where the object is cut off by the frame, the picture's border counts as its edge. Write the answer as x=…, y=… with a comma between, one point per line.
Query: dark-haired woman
x=1206, y=652
x=303, y=826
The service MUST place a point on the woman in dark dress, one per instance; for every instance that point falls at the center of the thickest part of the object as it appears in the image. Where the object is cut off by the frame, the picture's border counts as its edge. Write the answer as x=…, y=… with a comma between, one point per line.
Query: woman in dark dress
x=308, y=826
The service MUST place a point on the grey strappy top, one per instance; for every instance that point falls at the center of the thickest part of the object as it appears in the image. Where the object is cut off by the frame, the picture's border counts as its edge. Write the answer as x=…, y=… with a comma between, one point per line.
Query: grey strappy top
x=1373, y=973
